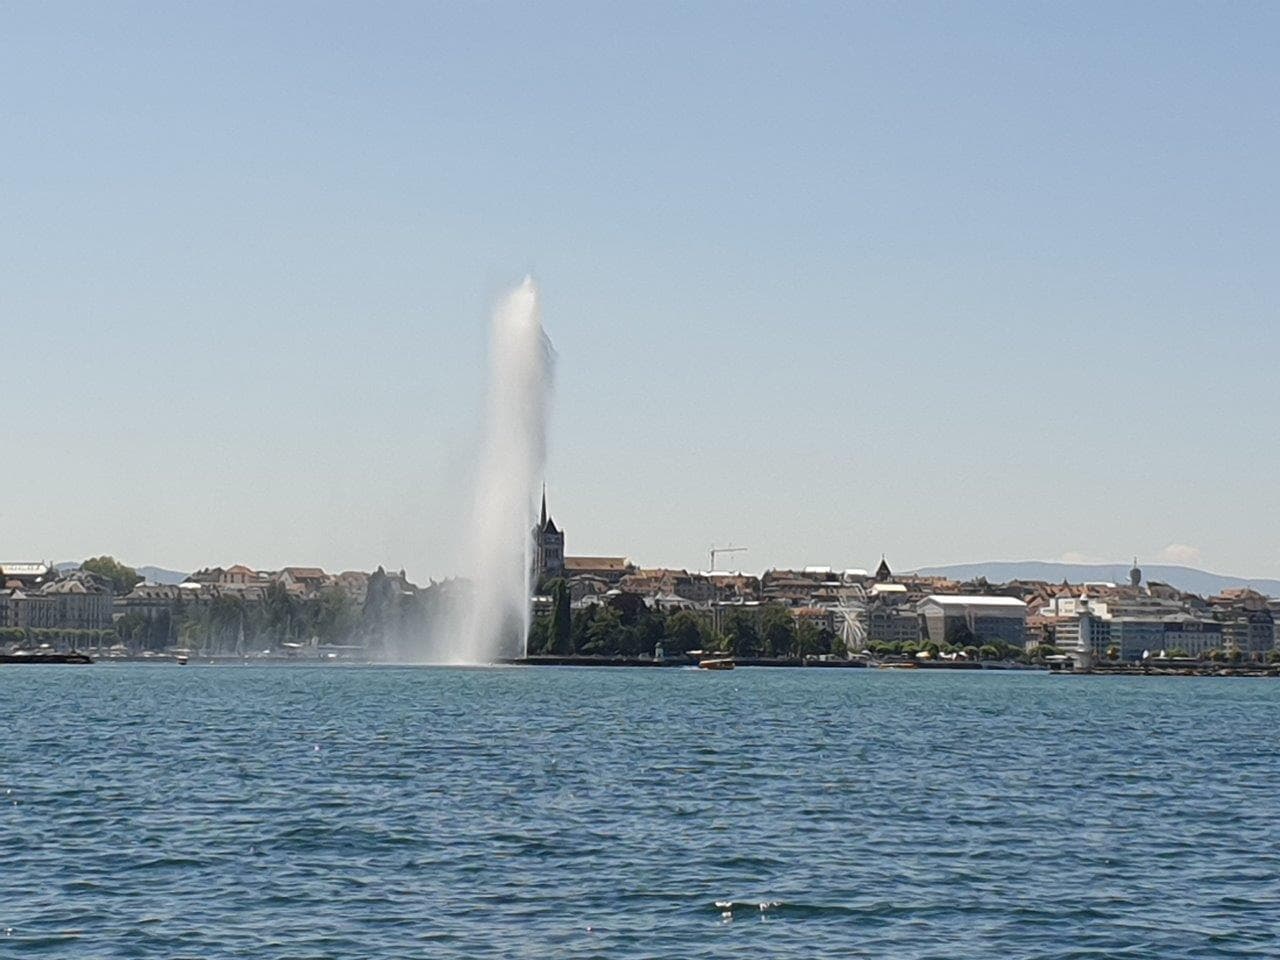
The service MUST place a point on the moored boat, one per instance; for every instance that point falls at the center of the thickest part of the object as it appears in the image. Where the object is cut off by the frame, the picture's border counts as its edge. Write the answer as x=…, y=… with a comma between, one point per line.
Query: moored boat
x=20, y=657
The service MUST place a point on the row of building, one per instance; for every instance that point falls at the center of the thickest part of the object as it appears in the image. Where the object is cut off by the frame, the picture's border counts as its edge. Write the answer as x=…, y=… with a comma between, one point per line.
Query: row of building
x=867, y=608
x=39, y=596
x=33, y=596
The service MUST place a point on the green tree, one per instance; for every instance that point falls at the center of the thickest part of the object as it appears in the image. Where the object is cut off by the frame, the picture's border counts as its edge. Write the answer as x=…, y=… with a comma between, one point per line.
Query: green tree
x=579, y=634
x=123, y=579
x=605, y=634
x=279, y=615
x=131, y=628
x=742, y=634
x=778, y=633
x=560, y=629
x=539, y=639
x=810, y=641
x=686, y=631
x=649, y=631
x=336, y=616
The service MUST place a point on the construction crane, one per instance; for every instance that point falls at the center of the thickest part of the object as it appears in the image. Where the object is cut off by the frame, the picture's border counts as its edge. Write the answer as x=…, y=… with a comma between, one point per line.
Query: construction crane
x=716, y=550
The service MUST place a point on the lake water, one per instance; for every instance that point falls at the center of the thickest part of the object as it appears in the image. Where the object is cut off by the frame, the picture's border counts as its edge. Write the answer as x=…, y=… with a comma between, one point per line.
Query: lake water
x=311, y=812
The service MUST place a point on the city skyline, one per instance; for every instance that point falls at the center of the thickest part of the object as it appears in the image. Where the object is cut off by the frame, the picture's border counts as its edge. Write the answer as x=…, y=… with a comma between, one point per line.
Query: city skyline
x=951, y=284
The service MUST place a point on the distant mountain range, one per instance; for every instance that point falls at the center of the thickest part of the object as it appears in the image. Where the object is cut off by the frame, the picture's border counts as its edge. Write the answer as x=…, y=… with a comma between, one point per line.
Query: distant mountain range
x=1184, y=578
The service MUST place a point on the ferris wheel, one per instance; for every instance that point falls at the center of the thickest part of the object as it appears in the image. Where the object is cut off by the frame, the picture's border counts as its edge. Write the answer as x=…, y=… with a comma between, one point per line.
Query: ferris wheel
x=851, y=619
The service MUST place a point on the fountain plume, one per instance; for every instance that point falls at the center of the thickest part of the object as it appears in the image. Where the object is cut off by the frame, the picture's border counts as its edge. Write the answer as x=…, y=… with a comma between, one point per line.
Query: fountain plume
x=491, y=619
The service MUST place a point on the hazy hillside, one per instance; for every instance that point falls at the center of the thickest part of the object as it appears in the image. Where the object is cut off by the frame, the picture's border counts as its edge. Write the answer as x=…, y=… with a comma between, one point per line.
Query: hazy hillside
x=1184, y=578
x=161, y=575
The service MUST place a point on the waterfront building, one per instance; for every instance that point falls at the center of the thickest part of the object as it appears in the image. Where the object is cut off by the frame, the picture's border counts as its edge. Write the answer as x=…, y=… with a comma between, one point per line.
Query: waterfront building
x=148, y=600
x=1191, y=635
x=1137, y=637
x=973, y=619
x=1087, y=628
x=892, y=622
x=1248, y=625
x=1082, y=634
x=77, y=601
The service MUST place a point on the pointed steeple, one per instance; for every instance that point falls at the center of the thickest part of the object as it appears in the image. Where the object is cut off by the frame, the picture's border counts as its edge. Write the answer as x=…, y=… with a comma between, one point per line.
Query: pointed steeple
x=883, y=572
x=543, y=522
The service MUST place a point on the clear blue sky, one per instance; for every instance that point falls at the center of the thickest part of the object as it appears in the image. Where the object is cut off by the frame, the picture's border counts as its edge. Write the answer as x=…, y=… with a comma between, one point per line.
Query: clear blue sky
x=949, y=282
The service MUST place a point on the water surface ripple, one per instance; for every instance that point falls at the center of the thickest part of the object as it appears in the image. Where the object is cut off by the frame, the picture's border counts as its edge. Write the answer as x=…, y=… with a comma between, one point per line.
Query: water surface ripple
x=293, y=812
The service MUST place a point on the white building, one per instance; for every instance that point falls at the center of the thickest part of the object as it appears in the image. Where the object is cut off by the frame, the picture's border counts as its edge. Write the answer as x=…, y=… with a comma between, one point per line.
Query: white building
x=981, y=619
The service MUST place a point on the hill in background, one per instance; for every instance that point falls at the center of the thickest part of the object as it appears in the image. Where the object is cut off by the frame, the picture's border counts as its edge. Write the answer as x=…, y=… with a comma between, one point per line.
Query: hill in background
x=1184, y=578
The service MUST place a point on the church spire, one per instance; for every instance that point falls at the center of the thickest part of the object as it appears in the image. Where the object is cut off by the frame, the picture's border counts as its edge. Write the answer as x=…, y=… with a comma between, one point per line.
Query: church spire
x=543, y=522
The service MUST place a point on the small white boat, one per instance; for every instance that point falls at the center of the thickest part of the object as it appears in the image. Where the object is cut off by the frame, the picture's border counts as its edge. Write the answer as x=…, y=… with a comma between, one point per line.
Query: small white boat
x=719, y=663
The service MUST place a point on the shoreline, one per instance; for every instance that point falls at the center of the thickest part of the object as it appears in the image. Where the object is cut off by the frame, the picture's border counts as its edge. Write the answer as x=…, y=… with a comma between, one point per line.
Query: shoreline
x=1146, y=668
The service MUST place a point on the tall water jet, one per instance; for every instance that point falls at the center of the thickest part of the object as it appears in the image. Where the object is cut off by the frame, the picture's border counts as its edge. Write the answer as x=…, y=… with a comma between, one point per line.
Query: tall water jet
x=493, y=618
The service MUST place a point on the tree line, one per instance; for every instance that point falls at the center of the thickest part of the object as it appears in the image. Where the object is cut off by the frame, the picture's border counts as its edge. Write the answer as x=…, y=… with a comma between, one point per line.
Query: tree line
x=623, y=625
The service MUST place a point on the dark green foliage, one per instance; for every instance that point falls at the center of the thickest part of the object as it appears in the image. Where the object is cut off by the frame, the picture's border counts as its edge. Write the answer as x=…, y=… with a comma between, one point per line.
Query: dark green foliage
x=539, y=640
x=778, y=632
x=560, y=630
x=685, y=631
x=605, y=633
x=742, y=634
x=620, y=628
x=123, y=579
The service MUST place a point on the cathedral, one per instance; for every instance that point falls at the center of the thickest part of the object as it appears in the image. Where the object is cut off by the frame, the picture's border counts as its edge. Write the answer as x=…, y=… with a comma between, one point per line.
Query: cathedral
x=548, y=543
